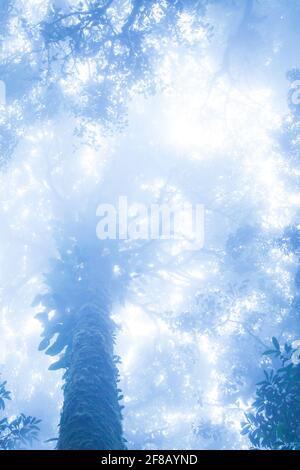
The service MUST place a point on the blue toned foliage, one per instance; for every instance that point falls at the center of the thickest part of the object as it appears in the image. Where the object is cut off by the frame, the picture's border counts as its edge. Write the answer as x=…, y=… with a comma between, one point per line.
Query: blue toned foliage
x=103, y=49
x=19, y=432
x=273, y=422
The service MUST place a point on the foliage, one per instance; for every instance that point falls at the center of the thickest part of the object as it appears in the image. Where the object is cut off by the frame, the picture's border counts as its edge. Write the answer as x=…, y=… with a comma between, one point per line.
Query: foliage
x=86, y=57
x=273, y=422
x=19, y=432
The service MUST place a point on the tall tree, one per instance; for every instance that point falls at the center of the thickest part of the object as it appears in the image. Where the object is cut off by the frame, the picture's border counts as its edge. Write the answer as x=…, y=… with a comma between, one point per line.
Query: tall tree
x=78, y=327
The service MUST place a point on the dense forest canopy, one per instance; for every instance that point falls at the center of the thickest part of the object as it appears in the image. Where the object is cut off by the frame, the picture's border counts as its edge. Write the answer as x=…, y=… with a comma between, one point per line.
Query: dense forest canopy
x=157, y=343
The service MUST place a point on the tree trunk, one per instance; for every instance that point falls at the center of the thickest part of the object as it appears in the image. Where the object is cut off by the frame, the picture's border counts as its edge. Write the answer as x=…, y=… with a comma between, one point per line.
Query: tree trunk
x=91, y=416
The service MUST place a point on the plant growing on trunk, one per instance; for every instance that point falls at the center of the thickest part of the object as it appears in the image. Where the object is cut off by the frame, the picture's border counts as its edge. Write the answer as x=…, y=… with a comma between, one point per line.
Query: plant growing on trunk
x=78, y=328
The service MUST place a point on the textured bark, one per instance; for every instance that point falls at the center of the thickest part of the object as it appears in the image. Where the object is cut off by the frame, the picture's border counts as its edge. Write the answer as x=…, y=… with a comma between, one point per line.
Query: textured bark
x=91, y=416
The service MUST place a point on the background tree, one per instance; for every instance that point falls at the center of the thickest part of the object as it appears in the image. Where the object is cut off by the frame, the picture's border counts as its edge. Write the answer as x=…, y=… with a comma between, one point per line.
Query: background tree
x=273, y=422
